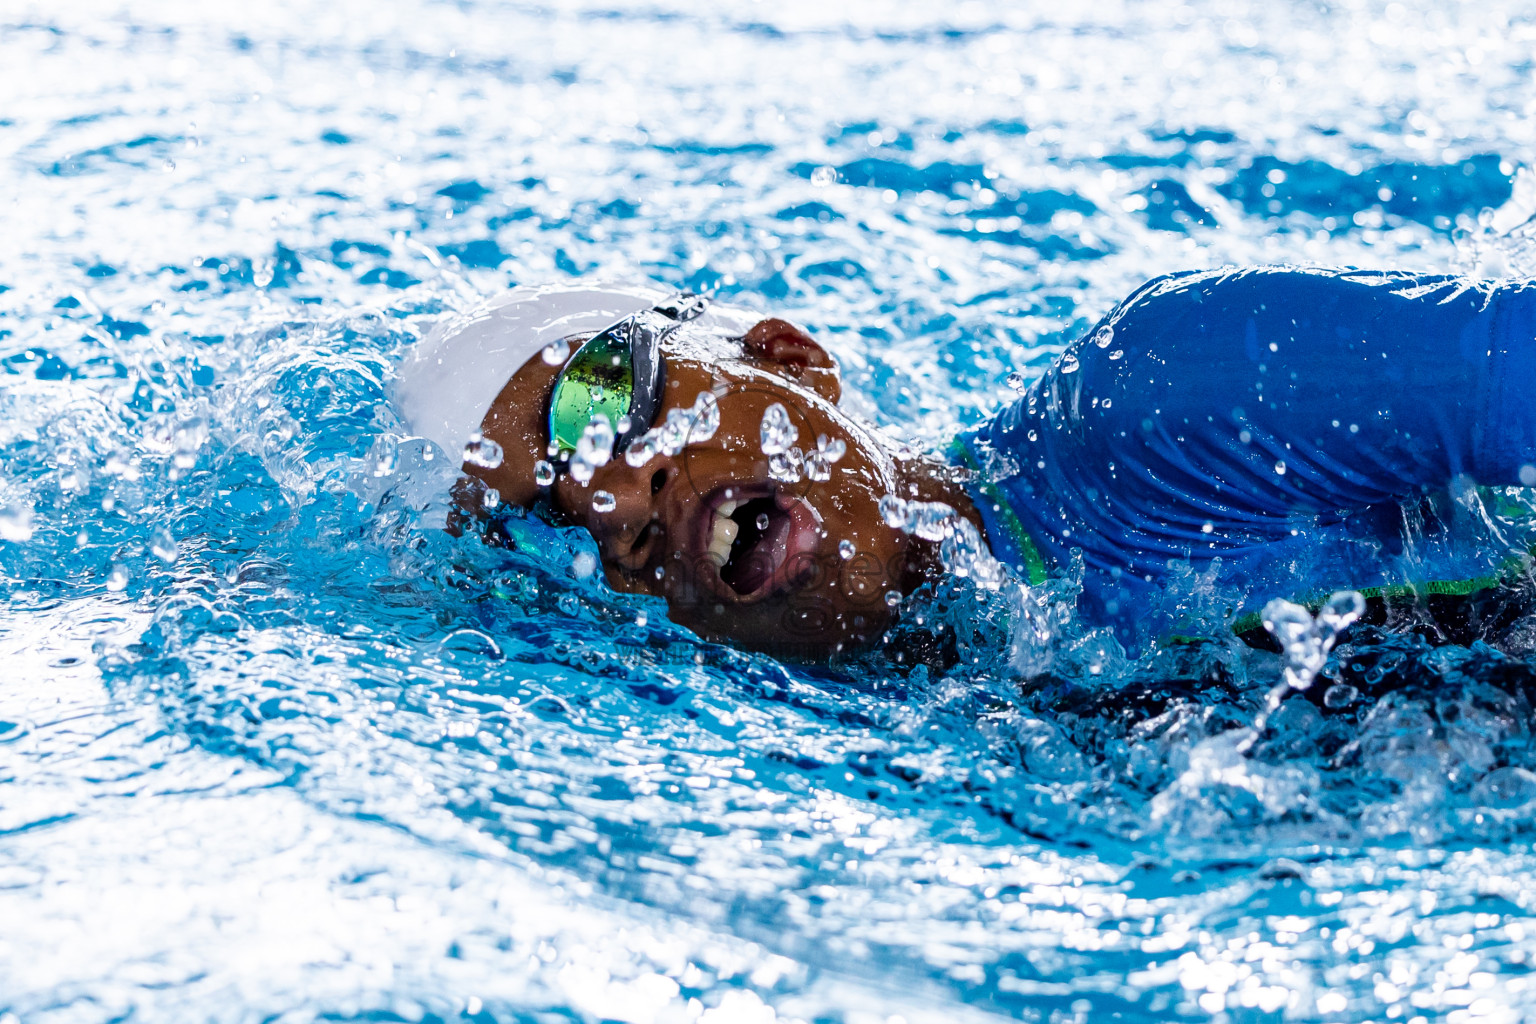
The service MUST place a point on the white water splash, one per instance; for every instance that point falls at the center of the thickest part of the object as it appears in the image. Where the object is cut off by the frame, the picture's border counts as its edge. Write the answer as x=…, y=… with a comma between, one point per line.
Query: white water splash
x=961, y=547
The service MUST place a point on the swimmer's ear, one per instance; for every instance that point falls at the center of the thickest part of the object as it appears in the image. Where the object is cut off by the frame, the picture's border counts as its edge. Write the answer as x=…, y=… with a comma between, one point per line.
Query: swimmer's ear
x=795, y=355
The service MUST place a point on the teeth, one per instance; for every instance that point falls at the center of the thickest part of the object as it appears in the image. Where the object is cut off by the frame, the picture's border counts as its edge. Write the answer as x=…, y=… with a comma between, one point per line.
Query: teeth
x=725, y=508
x=722, y=536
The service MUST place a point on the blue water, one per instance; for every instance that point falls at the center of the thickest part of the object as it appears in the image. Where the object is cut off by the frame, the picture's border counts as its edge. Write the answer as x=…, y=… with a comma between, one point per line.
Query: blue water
x=271, y=750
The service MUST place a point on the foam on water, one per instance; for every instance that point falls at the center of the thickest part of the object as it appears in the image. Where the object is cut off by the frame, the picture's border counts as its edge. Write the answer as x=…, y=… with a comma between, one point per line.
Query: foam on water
x=275, y=747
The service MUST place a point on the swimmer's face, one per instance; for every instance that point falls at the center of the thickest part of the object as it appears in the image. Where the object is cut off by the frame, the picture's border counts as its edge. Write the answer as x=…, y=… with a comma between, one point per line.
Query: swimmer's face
x=792, y=567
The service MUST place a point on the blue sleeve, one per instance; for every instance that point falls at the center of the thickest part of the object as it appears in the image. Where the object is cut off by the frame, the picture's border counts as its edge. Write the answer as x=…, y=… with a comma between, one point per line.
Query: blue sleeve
x=1211, y=412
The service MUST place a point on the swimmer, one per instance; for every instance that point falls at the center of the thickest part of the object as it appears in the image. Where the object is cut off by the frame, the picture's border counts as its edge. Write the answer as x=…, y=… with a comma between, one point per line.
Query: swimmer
x=1277, y=430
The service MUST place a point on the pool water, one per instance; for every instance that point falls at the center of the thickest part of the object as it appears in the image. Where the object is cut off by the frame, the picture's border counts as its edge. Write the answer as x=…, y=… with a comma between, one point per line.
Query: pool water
x=272, y=748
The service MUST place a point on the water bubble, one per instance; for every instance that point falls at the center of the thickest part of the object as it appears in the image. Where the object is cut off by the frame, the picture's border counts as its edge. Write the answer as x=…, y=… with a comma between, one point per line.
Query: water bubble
x=482, y=451
x=892, y=598
x=16, y=523
x=845, y=549
x=603, y=501
x=1103, y=336
x=823, y=176
x=543, y=473
x=556, y=352
x=777, y=432
x=1505, y=787
x=1340, y=695
x=1017, y=382
x=163, y=546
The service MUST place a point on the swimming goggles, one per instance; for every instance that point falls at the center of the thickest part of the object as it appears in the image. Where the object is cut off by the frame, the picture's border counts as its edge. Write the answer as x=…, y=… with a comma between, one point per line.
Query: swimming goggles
x=617, y=373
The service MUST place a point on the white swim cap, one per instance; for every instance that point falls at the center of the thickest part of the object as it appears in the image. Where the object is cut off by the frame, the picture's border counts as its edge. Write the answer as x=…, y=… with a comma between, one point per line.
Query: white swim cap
x=448, y=382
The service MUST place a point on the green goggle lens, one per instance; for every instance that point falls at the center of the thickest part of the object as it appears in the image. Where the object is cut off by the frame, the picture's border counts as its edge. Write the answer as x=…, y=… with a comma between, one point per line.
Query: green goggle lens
x=599, y=379
x=617, y=373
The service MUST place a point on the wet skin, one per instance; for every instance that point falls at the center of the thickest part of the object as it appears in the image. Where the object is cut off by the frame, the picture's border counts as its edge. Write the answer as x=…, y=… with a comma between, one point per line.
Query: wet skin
x=784, y=587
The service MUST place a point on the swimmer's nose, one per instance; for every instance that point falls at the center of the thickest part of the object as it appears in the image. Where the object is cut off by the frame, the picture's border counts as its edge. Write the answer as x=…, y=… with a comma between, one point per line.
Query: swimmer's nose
x=621, y=507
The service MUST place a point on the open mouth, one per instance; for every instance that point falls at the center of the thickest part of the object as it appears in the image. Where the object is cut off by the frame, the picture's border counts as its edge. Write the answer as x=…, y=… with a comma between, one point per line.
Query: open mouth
x=751, y=538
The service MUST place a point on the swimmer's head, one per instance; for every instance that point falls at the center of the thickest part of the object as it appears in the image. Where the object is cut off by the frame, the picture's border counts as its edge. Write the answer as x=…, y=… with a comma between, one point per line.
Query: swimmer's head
x=779, y=550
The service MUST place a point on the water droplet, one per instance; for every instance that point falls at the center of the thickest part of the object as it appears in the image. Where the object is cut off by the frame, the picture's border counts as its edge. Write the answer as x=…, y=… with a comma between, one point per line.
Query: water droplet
x=583, y=564
x=1117, y=354
x=762, y=520
x=117, y=579
x=845, y=549
x=593, y=449
x=163, y=546
x=1103, y=336
x=556, y=352
x=482, y=451
x=777, y=432
x=491, y=498
x=543, y=473
x=603, y=501
x=1069, y=363
x=681, y=428
x=788, y=467
x=892, y=598
x=660, y=572
x=1016, y=381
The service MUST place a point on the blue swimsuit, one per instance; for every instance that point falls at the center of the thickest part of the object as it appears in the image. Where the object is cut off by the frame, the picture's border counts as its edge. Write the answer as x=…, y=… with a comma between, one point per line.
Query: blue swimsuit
x=1274, y=430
